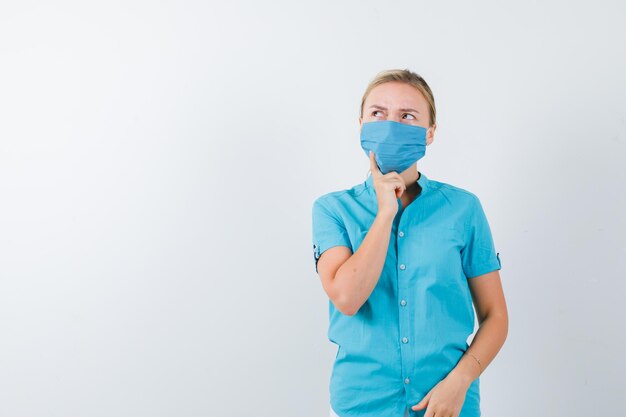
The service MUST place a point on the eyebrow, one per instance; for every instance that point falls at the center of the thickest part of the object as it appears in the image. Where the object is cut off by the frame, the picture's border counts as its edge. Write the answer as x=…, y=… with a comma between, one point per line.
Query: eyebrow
x=384, y=108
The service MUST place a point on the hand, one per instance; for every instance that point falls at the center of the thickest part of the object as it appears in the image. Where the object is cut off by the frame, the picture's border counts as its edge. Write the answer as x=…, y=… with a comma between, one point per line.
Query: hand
x=445, y=399
x=389, y=187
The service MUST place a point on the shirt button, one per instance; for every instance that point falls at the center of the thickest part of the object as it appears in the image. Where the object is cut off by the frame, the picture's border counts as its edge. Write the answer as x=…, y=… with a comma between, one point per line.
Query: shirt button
x=407, y=380
x=401, y=233
x=405, y=340
x=402, y=266
x=403, y=302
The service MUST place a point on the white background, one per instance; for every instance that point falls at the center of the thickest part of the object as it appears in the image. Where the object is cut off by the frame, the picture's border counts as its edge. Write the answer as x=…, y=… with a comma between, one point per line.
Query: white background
x=159, y=160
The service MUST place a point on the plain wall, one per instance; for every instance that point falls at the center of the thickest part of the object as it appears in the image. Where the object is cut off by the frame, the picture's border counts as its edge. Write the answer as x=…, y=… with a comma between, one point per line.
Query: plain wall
x=159, y=160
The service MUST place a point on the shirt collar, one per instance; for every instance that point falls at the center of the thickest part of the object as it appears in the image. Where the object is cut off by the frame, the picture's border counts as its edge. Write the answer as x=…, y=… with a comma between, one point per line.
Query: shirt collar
x=423, y=181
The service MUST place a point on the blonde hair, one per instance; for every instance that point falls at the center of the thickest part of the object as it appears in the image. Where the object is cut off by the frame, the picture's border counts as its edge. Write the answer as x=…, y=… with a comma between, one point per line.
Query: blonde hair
x=408, y=77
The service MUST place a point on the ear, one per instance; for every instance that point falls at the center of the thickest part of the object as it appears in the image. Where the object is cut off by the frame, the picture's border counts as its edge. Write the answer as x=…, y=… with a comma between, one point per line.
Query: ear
x=360, y=121
x=430, y=134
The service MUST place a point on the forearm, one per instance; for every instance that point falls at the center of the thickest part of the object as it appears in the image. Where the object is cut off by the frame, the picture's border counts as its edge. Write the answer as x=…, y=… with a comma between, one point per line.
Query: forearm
x=487, y=342
x=357, y=277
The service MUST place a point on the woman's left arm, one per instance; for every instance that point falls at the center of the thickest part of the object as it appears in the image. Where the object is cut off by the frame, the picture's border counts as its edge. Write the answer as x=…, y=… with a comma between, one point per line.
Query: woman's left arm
x=447, y=397
x=493, y=327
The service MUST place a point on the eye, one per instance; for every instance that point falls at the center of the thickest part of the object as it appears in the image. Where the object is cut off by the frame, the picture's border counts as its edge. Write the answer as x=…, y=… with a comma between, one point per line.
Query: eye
x=374, y=112
x=409, y=114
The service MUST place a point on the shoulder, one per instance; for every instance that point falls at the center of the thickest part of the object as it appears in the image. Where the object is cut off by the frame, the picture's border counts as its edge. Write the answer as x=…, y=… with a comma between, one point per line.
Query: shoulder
x=340, y=197
x=458, y=203
x=456, y=196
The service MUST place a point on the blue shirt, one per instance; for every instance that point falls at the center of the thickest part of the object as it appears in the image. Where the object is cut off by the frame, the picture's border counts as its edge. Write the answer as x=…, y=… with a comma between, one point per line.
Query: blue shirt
x=413, y=329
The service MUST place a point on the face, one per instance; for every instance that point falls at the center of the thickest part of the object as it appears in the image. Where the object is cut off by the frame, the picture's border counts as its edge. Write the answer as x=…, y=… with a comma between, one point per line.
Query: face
x=399, y=102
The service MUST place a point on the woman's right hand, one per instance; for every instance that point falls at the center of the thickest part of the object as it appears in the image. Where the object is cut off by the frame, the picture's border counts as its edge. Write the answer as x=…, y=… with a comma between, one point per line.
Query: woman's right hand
x=389, y=187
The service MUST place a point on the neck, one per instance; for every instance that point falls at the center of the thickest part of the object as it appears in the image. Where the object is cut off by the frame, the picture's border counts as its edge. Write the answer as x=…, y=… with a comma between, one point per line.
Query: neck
x=410, y=176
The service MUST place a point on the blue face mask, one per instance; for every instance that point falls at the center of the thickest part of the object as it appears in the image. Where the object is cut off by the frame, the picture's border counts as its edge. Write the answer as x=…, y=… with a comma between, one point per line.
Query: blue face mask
x=396, y=145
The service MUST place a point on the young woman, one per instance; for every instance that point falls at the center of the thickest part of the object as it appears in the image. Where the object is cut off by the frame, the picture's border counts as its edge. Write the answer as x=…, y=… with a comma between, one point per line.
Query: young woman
x=403, y=259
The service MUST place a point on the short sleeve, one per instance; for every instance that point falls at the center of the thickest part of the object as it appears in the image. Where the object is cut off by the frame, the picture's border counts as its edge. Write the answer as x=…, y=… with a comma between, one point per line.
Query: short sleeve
x=478, y=256
x=328, y=230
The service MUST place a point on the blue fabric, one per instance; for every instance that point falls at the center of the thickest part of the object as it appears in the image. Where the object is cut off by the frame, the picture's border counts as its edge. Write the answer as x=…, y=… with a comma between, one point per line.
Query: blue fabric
x=413, y=328
x=396, y=145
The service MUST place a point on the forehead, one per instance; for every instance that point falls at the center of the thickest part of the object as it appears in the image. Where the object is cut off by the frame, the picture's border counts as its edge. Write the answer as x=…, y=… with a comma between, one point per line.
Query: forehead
x=396, y=94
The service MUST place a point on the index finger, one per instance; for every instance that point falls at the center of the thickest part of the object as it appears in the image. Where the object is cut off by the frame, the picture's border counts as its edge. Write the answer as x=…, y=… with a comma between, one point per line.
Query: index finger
x=374, y=166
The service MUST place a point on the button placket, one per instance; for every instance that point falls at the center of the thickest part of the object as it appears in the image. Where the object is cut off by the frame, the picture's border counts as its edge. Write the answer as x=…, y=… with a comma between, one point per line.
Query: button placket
x=404, y=312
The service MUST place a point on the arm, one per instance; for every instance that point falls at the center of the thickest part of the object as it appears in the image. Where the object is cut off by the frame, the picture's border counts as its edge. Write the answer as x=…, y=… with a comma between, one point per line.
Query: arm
x=350, y=279
x=449, y=394
x=491, y=310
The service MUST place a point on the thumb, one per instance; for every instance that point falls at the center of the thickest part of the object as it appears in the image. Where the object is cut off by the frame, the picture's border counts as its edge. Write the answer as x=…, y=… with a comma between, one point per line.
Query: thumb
x=422, y=404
